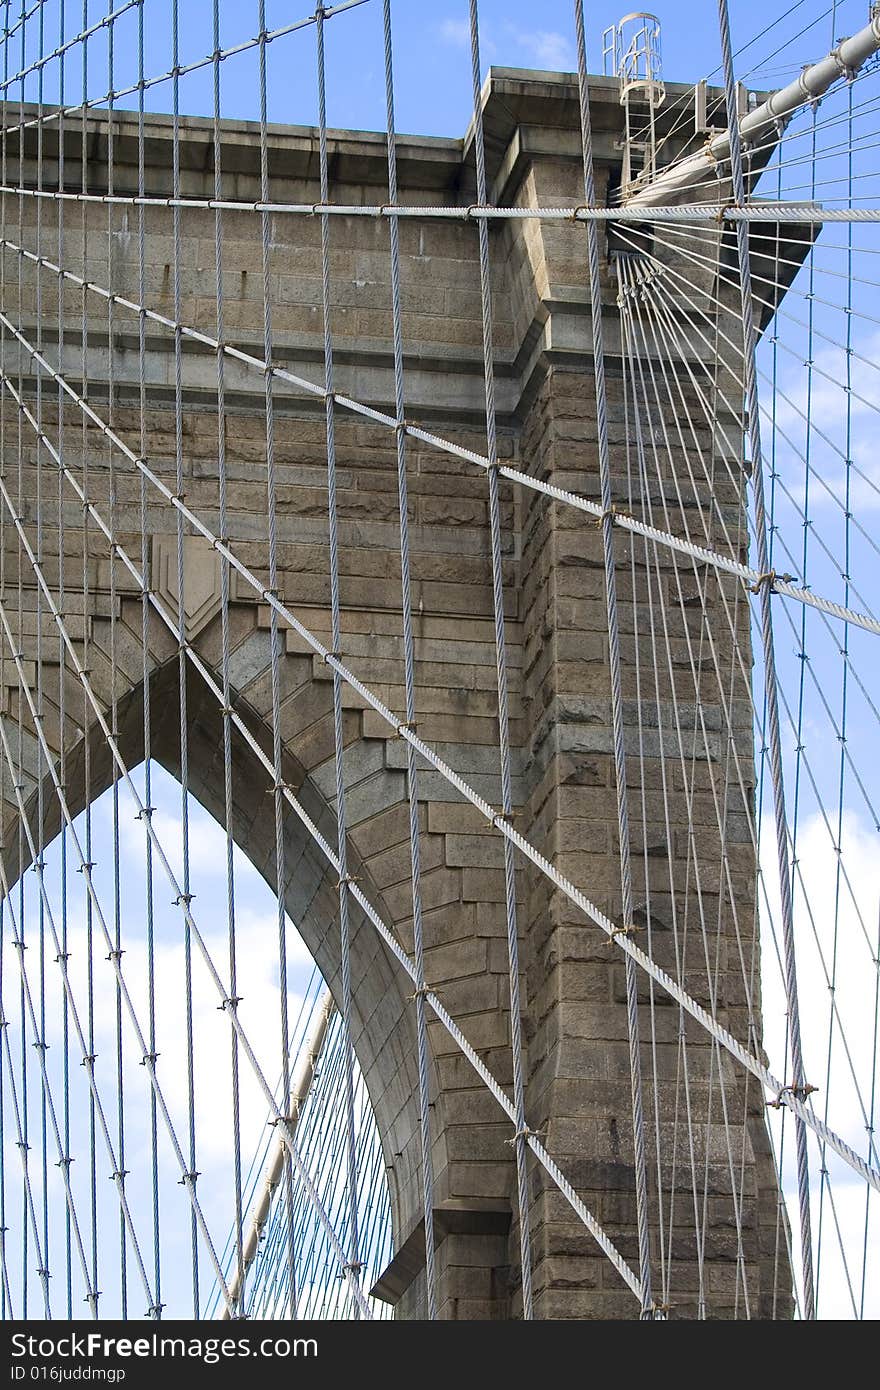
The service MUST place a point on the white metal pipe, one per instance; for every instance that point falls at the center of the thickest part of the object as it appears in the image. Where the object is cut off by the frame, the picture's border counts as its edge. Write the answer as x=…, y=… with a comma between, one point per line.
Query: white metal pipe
x=847, y=58
x=302, y=1081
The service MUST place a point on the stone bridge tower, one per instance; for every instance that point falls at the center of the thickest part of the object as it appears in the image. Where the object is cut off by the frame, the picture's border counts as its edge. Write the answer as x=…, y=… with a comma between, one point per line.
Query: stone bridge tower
x=578, y=1087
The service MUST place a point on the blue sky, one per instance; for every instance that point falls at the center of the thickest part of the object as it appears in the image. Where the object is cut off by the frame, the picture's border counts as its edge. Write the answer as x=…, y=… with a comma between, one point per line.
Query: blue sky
x=433, y=92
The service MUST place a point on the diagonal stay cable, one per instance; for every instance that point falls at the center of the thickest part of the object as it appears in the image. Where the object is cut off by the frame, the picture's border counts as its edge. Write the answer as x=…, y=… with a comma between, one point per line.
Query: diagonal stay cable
x=664, y=272
x=657, y=304
x=749, y=576
x=145, y=83
x=384, y=931
x=64, y=1159
x=114, y=954
x=180, y=902
x=88, y=1058
x=645, y=387
x=782, y=1093
x=23, y=1148
x=574, y=894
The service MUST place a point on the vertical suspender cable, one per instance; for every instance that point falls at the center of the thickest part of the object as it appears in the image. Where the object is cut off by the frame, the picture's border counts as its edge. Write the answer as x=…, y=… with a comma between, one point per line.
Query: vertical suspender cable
x=38, y=865
x=5, y=1300
x=798, y=1083
x=409, y=678
x=781, y=1223
x=335, y=643
x=85, y=444
x=233, y=1001
x=114, y=670
x=146, y=576
x=181, y=620
x=276, y=643
x=607, y=530
x=19, y=771
x=802, y=634
x=62, y=669
x=522, y=1133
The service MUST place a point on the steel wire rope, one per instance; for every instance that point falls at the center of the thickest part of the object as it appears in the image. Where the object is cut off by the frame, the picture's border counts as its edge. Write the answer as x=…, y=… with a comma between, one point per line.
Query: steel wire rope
x=574, y=894
x=521, y=1131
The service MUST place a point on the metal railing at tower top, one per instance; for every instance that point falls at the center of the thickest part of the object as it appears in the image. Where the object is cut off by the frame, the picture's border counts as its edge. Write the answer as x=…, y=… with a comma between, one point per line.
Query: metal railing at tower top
x=503, y=589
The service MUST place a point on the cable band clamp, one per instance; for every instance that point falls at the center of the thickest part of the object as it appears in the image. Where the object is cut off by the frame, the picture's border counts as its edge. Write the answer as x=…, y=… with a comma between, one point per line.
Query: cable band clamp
x=526, y=1133
x=769, y=577
x=799, y=1093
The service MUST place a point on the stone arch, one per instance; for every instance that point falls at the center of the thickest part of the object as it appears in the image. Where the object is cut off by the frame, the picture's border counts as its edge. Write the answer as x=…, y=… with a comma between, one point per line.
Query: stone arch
x=383, y=1030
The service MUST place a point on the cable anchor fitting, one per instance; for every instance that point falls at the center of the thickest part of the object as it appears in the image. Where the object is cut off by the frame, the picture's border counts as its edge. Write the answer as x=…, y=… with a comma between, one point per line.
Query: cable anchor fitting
x=422, y=991
x=628, y=929
x=527, y=1134
x=276, y=786
x=657, y=1312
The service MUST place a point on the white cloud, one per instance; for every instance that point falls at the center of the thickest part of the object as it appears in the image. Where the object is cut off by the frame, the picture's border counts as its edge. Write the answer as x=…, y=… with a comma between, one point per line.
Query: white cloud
x=841, y=913
x=545, y=48
x=207, y=844
x=258, y=986
x=456, y=32
x=822, y=394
